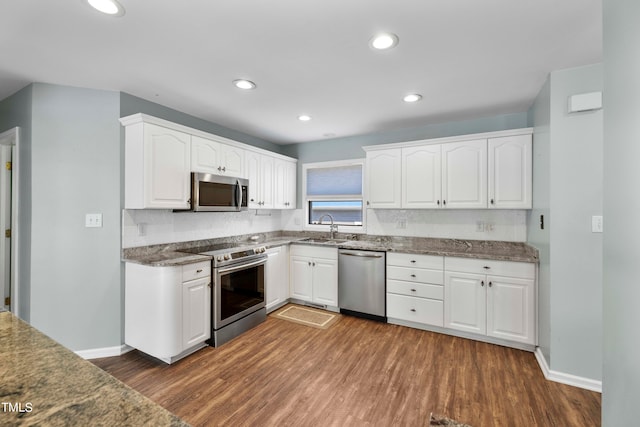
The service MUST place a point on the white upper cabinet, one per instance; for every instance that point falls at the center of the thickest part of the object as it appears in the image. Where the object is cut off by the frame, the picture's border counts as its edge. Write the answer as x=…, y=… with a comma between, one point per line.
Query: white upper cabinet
x=464, y=167
x=489, y=170
x=510, y=176
x=285, y=184
x=260, y=172
x=214, y=157
x=421, y=177
x=160, y=156
x=383, y=177
x=157, y=162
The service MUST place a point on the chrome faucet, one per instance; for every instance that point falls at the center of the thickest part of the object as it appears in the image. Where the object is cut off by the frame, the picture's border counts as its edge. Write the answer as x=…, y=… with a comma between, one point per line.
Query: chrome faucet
x=333, y=228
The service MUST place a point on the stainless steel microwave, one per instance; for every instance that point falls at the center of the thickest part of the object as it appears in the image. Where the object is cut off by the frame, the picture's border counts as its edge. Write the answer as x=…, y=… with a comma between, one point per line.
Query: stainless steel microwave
x=215, y=193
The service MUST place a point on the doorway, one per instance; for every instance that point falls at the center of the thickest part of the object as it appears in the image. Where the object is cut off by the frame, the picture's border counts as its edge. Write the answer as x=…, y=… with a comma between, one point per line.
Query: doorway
x=8, y=219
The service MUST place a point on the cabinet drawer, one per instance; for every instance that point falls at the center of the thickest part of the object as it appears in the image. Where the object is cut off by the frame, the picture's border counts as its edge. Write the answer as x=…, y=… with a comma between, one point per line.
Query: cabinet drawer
x=312, y=251
x=419, y=310
x=435, y=277
x=196, y=271
x=434, y=262
x=525, y=270
x=415, y=289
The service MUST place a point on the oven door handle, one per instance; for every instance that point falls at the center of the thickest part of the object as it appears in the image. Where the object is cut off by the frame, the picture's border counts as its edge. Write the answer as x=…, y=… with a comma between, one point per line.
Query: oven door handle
x=238, y=195
x=238, y=267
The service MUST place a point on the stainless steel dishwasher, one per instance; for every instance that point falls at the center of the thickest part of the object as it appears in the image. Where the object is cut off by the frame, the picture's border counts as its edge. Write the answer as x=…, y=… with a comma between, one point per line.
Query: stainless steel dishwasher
x=362, y=284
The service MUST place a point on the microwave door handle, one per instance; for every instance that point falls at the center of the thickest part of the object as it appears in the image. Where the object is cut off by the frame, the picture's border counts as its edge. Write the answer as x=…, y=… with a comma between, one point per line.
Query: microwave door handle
x=238, y=195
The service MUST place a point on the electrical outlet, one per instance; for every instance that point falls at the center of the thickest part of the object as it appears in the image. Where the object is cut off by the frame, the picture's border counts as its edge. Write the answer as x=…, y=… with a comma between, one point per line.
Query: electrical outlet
x=479, y=226
x=596, y=224
x=93, y=220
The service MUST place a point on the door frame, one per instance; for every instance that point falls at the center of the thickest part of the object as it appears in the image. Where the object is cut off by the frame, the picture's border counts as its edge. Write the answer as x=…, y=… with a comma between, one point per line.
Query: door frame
x=12, y=137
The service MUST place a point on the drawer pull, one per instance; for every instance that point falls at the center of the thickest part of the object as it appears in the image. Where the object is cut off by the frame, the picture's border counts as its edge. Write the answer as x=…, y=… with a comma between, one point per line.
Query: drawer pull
x=413, y=290
x=199, y=270
x=413, y=275
x=413, y=310
x=413, y=261
x=486, y=267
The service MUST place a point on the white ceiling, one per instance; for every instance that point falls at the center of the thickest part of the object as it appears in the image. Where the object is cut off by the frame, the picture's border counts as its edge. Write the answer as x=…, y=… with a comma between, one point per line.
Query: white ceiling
x=468, y=58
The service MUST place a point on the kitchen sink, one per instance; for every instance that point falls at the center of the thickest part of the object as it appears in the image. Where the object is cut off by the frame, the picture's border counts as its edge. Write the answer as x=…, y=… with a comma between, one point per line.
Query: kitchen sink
x=323, y=241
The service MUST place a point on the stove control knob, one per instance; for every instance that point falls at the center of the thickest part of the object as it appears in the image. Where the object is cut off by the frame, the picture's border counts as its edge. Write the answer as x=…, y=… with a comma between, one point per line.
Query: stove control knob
x=227, y=256
x=220, y=258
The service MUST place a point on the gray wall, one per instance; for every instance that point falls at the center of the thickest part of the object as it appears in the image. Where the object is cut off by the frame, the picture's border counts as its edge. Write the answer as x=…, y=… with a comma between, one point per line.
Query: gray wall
x=568, y=189
x=540, y=119
x=351, y=147
x=130, y=104
x=15, y=111
x=75, y=271
x=621, y=207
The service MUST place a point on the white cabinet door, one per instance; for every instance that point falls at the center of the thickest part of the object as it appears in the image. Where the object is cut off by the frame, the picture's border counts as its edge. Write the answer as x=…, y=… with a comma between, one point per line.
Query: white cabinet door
x=205, y=155
x=284, y=184
x=260, y=172
x=465, y=302
x=167, y=161
x=232, y=161
x=464, y=174
x=383, y=177
x=421, y=177
x=196, y=312
x=510, y=172
x=325, y=281
x=511, y=309
x=301, y=278
x=277, y=276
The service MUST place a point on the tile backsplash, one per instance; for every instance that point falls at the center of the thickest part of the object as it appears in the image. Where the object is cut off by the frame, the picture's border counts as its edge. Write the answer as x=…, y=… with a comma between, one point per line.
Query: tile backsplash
x=150, y=227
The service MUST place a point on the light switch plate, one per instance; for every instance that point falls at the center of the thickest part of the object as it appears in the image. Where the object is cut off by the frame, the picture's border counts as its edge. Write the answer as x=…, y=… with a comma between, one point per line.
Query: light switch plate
x=93, y=220
x=596, y=224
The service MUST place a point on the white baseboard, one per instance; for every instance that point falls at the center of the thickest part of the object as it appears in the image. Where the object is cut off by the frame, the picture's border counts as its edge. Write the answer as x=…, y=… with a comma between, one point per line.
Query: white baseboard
x=96, y=353
x=561, y=377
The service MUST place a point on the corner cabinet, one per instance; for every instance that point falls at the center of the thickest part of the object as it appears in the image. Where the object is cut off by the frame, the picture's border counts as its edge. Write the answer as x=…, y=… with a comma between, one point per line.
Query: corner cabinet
x=167, y=309
x=314, y=275
x=482, y=171
x=157, y=164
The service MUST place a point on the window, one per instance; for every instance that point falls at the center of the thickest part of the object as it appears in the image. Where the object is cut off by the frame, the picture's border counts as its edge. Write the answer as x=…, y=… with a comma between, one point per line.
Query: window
x=334, y=188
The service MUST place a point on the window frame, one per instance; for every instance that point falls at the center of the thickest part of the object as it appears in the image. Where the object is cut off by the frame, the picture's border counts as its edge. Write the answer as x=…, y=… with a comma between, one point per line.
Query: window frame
x=351, y=229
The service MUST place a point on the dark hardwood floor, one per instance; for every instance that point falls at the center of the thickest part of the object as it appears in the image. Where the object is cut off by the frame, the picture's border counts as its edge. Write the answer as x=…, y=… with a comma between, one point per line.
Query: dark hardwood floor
x=356, y=373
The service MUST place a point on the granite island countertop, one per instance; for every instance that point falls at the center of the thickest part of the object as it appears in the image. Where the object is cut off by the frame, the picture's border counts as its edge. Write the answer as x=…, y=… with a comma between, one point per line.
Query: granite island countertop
x=171, y=254
x=47, y=384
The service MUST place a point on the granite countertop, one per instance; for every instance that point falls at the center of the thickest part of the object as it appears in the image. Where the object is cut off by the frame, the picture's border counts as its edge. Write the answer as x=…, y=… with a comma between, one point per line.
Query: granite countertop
x=171, y=255
x=47, y=384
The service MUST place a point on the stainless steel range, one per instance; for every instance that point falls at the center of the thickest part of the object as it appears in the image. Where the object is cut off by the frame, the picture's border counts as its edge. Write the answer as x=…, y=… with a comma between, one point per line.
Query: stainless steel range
x=237, y=300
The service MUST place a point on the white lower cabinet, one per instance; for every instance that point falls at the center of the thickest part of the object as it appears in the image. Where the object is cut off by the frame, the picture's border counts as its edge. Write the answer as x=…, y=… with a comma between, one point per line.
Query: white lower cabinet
x=492, y=298
x=167, y=309
x=415, y=288
x=314, y=274
x=277, y=277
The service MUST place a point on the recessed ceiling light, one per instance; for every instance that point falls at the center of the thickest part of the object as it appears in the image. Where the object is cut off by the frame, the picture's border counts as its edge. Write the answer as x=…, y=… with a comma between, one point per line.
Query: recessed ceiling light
x=384, y=41
x=108, y=7
x=304, y=118
x=413, y=97
x=244, y=84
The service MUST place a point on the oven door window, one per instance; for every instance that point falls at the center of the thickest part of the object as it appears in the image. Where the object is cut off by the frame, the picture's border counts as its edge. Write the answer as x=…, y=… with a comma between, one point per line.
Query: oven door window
x=241, y=290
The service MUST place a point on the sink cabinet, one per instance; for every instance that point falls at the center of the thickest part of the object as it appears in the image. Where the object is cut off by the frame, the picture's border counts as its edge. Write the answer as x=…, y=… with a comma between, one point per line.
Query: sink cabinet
x=314, y=275
x=167, y=309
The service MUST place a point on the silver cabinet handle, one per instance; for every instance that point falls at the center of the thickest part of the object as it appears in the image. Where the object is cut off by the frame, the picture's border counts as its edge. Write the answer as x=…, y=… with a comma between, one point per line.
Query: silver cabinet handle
x=486, y=267
x=413, y=310
x=482, y=283
x=490, y=284
x=413, y=290
x=199, y=270
x=413, y=275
